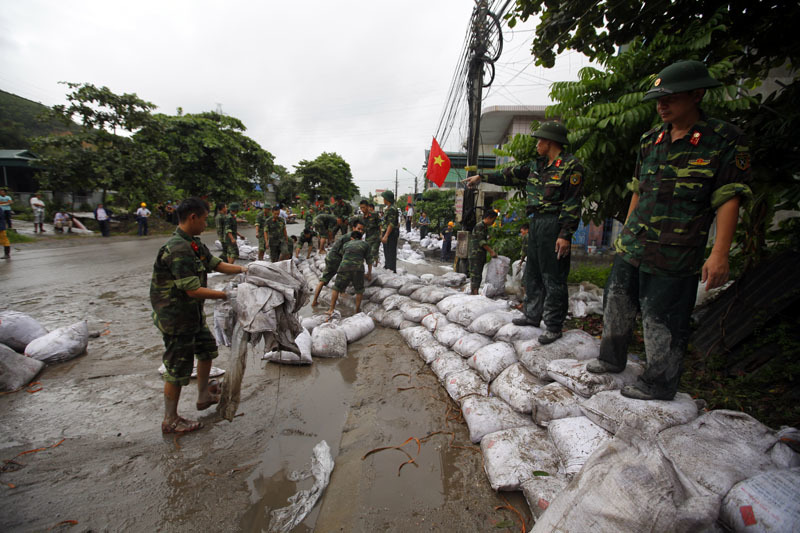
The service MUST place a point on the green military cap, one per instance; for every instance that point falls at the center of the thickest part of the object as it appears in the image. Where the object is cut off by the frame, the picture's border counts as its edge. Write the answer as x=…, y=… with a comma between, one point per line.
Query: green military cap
x=388, y=195
x=276, y=207
x=552, y=131
x=267, y=206
x=233, y=206
x=681, y=77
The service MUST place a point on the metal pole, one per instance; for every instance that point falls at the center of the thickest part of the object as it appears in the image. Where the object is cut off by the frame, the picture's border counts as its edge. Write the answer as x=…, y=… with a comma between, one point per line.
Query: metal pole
x=396, y=197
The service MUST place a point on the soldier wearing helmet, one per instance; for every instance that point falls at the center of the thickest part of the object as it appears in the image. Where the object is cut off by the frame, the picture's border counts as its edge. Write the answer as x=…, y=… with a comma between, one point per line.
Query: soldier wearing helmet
x=553, y=184
x=689, y=169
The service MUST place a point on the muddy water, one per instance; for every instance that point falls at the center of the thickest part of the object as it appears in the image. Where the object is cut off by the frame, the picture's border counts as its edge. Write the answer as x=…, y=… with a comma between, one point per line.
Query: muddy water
x=115, y=471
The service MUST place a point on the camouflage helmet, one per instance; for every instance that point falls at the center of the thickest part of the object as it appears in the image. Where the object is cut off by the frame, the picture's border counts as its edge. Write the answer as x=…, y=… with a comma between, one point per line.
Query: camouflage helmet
x=388, y=195
x=680, y=77
x=552, y=131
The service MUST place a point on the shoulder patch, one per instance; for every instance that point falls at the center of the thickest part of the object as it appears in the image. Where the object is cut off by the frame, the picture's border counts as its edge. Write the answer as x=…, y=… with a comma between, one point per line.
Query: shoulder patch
x=742, y=160
x=575, y=179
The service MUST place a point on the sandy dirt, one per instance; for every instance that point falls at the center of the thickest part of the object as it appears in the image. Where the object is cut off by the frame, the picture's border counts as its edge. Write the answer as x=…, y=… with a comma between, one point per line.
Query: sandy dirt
x=113, y=469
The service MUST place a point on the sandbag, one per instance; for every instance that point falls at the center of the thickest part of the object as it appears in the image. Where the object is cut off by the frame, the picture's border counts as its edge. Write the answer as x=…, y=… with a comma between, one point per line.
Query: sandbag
x=394, y=302
x=492, y=359
x=512, y=456
x=573, y=375
x=356, y=327
x=448, y=363
x=628, y=485
x=449, y=333
x=434, y=321
x=285, y=357
x=470, y=343
x=465, y=383
x=485, y=415
x=783, y=453
x=405, y=324
x=16, y=370
x=415, y=312
x=540, y=491
x=516, y=387
x=607, y=409
x=378, y=314
x=494, y=278
x=328, y=340
x=764, y=503
x=574, y=344
x=470, y=310
x=490, y=323
x=719, y=449
x=416, y=337
x=431, y=295
x=576, y=438
x=17, y=330
x=409, y=288
x=393, y=282
x=371, y=291
x=554, y=401
x=392, y=319
x=431, y=351
x=382, y=294
x=311, y=322
x=513, y=333
x=453, y=301
x=61, y=344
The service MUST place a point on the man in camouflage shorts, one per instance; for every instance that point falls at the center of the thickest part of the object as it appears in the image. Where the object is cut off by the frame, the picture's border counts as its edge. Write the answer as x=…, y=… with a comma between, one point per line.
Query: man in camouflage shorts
x=325, y=224
x=372, y=228
x=231, y=233
x=355, y=253
x=332, y=260
x=178, y=289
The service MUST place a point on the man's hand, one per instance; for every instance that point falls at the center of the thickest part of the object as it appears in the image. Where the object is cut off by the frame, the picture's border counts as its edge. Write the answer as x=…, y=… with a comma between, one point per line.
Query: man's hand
x=715, y=271
x=368, y=275
x=493, y=254
x=384, y=239
x=472, y=181
x=562, y=248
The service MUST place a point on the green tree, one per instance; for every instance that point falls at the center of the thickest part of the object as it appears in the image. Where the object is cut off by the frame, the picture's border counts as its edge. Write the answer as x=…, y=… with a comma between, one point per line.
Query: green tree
x=287, y=188
x=327, y=175
x=439, y=204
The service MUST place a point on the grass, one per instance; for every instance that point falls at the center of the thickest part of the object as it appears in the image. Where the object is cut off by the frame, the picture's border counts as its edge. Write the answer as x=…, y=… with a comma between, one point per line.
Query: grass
x=598, y=275
x=16, y=238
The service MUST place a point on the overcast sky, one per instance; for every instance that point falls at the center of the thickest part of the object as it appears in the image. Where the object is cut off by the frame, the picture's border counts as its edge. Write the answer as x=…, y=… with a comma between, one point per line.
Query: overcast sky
x=367, y=80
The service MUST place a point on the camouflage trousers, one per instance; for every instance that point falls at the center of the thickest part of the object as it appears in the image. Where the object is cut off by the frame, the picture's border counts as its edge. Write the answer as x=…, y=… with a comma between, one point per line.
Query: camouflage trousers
x=477, y=260
x=330, y=270
x=546, y=293
x=231, y=249
x=262, y=243
x=666, y=304
x=390, y=251
x=343, y=279
x=181, y=351
x=276, y=250
x=374, y=243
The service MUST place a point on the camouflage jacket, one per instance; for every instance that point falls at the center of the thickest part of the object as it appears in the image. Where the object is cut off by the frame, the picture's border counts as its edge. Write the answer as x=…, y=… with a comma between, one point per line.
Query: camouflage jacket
x=309, y=219
x=303, y=239
x=231, y=225
x=261, y=223
x=342, y=211
x=554, y=189
x=372, y=226
x=276, y=230
x=391, y=216
x=324, y=222
x=354, y=254
x=182, y=264
x=334, y=255
x=477, y=239
x=219, y=222
x=680, y=186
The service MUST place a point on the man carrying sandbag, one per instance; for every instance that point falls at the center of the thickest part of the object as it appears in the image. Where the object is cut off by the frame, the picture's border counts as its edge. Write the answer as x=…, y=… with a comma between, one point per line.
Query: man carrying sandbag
x=478, y=246
x=178, y=290
x=355, y=253
x=332, y=261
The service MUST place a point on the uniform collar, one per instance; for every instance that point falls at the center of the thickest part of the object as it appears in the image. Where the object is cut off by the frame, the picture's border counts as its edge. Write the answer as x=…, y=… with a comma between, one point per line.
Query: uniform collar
x=182, y=234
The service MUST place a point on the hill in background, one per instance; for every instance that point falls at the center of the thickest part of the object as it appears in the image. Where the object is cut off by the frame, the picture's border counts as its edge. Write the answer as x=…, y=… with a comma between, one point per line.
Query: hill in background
x=19, y=121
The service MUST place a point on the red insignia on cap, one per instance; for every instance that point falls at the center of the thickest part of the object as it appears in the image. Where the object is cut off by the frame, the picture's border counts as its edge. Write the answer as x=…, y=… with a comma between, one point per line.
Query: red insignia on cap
x=695, y=140
x=660, y=137
x=558, y=162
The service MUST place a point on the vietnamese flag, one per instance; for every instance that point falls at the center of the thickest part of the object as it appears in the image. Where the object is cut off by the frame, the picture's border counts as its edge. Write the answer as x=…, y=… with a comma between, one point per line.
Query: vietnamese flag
x=438, y=165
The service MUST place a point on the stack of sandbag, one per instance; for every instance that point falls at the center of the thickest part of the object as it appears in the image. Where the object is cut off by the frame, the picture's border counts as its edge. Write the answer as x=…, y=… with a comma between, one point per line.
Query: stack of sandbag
x=588, y=300
x=494, y=276
x=18, y=329
x=16, y=370
x=61, y=344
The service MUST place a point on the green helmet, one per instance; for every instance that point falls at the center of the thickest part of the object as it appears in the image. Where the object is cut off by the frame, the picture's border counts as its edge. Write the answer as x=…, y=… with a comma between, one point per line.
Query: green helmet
x=681, y=77
x=233, y=206
x=388, y=195
x=552, y=131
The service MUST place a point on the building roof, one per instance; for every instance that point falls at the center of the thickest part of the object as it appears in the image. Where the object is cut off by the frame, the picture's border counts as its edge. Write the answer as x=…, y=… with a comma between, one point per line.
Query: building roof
x=495, y=120
x=17, y=158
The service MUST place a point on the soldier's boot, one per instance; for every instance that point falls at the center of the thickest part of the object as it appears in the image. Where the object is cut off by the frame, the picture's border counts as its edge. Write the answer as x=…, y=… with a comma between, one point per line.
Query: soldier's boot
x=597, y=366
x=632, y=391
x=549, y=336
x=525, y=321
x=7, y=254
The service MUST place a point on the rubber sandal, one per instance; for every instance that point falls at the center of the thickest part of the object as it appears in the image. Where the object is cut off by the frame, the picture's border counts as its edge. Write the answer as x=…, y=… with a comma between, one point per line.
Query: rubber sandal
x=181, y=425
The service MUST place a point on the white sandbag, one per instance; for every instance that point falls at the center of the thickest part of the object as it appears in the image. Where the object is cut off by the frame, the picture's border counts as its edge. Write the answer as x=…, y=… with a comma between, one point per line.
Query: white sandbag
x=378, y=314
x=453, y=301
x=764, y=503
x=485, y=415
x=311, y=322
x=393, y=282
x=472, y=309
x=540, y=491
x=626, y=485
x=448, y=363
x=719, y=449
x=371, y=291
x=17, y=330
x=405, y=324
x=512, y=456
x=451, y=279
x=492, y=359
x=465, y=383
x=516, y=387
x=392, y=319
x=409, y=288
x=357, y=326
x=449, y=334
x=573, y=375
x=782, y=453
x=494, y=278
x=513, y=333
x=490, y=323
x=431, y=351
x=470, y=343
x=431, y=294
x=382, y=294
x=366, y=307
x=427, y=278
x=574, y=344
x=415, y=312
x=607, y=409
x=328, y=340
x=576, y=438
x=554, y=401
x=16, y=370
x=285, y=357
x=394, y=302
x=60, y=344
x=514, y=285
x=434, y=321
x=416, y=337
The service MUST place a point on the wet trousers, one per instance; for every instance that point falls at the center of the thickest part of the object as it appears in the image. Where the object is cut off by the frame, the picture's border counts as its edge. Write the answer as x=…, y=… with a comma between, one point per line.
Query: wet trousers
x=546, y=293
x=390, y=251
x=666, y=304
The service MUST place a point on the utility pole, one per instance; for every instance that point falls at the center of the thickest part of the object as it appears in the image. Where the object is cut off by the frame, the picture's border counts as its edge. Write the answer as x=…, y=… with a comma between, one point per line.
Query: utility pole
x=396, y=198
x=475, y=83
x=415, y=186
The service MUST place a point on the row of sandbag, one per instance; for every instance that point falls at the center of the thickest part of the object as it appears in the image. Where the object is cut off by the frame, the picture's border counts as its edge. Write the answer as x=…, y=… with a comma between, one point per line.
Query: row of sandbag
x=22, y=334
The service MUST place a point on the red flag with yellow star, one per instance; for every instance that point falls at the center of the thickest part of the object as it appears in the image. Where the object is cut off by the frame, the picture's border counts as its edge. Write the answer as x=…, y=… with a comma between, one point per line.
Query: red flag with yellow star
x=438, y=164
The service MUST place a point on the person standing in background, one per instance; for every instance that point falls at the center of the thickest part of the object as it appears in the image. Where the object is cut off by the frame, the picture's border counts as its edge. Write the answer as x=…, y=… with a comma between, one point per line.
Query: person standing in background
x=37, y=204
x=478, y=246
x=447, y=241
x=5, y=205
x=409, y=217
x=102, y=216
x=142, y=214
x=424, y=223
x=391, y=231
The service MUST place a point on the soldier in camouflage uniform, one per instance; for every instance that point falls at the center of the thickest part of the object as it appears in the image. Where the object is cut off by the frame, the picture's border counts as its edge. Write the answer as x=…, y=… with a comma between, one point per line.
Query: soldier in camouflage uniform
x=325, y=224
x=231, y=233
x=478, y=246
x=688, y=169
x=553, y=186
x=332, y=260
x=355, y=253
x=277, y=239
x=307, y=237
x=309, y=218
x=219, y=224
x=342, y=212
x=372, y=228
x=391, y=232
x=523, y=242
x=177, y=292
x=261, y=223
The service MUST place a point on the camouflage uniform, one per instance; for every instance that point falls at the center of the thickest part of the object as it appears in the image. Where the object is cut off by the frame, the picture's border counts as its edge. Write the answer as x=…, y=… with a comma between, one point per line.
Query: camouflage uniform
x=477, y=253
x=523, y=241
x=181, y=265
x=343, y=211
x=219, y=223
x=231, y=228
x=276, y=231
x=661, y=248
x=372, y=232
x=333, y=258
x=261, y=222
x=324, y=223
x=309, y=219
x=303, y=240
x=351, y=269
x=554, y=209
x=391, y=216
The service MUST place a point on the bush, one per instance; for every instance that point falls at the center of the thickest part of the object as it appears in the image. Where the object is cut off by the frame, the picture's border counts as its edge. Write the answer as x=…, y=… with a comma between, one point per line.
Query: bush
x=15, y=238
x=593, y=274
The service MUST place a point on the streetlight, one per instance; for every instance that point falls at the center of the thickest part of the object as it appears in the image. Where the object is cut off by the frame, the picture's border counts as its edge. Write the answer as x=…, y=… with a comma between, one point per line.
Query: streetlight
x=415, y=180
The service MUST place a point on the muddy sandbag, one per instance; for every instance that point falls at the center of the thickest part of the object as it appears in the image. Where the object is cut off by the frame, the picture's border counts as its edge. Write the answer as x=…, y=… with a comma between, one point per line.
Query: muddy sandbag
x=382, y=294
x=328, y=340
x=490, y=323
x=61, y=344
x=470, y=343
x=356, y=327
x=393, y=319
x=783, y=454
x=485, y=415
x=516, y=387
x=448, y=363
x=513, y=333
x=451, y=279
x=607, y=409
x=453, y=301
x=378, y=314
x=764, y=503
x=416, y=337
x=449, y=333
x=17, y=330
x=576, y=438
x=540, y=490
x=285, y=357
x=574, y=344
x=230, y=394
x=16, y=370
x=573, y=375
x=409, y=288
x=431, y=351
x=492, y=359
x=311, y=322
x=554, y=401
x=719, y=449
x=628, y=485
x=394, y=302
x=415, y=312
x=465, y=383
x=494, y=277
x=434, y=321
x=512, y=456
x=431, y=295
x=405, y=324
x=369, y=292
x=472, y=309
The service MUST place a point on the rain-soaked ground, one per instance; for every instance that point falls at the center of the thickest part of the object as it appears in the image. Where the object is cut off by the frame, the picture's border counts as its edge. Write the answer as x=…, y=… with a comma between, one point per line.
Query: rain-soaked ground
x=106, y=466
